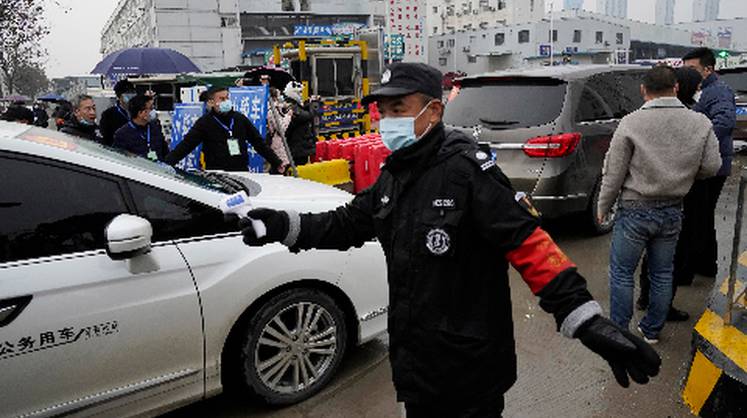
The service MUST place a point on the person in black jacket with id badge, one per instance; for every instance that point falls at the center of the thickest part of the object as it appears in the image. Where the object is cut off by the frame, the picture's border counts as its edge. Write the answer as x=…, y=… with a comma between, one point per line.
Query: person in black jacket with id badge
x=224, y=135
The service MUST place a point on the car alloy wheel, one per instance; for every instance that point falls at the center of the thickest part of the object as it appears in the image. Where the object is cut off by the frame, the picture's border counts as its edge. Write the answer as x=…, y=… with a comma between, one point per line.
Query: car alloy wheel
x=295, y=344
x=296, y=347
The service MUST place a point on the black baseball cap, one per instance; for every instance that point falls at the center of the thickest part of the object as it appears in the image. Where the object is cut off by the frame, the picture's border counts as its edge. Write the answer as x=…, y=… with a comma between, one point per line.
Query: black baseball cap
x=402, y=79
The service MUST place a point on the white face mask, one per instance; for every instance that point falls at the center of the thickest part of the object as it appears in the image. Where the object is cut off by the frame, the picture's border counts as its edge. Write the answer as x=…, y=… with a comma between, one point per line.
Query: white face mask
x=398, y=133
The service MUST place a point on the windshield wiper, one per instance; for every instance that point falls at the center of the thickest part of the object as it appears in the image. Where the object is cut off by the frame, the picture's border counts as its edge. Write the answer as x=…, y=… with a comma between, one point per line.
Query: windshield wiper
x=231, y=184
x=499, y=122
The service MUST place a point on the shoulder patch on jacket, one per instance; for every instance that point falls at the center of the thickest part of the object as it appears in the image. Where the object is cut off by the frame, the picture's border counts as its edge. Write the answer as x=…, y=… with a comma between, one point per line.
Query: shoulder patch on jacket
x=485, y=163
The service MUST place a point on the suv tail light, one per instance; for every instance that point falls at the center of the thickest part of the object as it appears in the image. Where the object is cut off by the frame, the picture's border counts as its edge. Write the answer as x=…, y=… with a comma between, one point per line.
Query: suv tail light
x=553, y=146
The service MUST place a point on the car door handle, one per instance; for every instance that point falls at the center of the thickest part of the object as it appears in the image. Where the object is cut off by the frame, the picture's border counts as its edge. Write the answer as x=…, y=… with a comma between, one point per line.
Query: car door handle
x=11, y=308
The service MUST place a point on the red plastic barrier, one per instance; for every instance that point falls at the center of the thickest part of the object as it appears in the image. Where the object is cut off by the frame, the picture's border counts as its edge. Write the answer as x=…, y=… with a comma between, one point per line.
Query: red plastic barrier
x=321, y=151
x=334, y=151
x=378, y=156
x=361, y=167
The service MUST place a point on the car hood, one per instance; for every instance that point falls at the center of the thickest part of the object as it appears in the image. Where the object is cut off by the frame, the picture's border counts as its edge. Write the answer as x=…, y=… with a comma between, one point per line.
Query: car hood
x=295, y=193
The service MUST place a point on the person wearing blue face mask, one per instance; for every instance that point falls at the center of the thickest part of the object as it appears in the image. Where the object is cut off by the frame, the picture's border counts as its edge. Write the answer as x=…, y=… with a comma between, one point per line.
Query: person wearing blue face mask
x=117, y=116
x=142, y=135
x=225, y=136
x=450, y=224
x=82, y=121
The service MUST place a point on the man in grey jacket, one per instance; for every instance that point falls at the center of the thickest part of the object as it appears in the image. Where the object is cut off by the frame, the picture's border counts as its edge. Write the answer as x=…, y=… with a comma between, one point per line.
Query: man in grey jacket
x=655, y=156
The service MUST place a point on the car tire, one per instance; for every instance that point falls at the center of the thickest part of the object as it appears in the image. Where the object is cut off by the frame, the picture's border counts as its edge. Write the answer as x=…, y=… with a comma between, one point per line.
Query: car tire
x=595, y=227
x=284, y=362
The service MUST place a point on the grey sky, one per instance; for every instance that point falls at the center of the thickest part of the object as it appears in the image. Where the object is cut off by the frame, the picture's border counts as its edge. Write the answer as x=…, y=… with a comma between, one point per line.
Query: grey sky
x=75, y=37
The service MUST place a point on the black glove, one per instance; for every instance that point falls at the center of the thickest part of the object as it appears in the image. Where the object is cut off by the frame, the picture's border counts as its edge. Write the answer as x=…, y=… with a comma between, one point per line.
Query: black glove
x=625, y=353
x=276, y=222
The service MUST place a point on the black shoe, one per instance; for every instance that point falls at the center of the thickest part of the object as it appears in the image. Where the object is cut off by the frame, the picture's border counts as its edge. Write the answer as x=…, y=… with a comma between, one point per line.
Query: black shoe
x=641, y=304
x=676, y=315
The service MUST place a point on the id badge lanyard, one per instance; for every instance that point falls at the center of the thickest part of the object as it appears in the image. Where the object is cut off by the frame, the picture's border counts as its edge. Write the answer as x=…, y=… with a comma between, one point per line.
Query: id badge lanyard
x=228, y=129
x=146, y=137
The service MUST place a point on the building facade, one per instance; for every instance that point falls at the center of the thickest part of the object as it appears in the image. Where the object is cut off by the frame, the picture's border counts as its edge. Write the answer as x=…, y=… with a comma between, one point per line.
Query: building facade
x=614, y=8
x=206, y=31
x=573, y=4
x=705, y=10
x=580, y=40
x=721, y=34
x=449, y=16
x=664, y=12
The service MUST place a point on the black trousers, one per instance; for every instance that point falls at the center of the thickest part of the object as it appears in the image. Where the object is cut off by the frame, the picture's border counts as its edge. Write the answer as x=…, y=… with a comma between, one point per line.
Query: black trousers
x=697, y=249
x=492, y=408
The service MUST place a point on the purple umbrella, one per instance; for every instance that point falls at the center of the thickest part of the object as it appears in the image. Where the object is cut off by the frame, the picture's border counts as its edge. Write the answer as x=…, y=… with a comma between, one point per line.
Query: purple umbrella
x=140, y=61
x=16, y=99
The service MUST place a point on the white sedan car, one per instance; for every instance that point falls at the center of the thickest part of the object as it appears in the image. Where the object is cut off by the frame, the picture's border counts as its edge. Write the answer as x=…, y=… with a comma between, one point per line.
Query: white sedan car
x=124, y=291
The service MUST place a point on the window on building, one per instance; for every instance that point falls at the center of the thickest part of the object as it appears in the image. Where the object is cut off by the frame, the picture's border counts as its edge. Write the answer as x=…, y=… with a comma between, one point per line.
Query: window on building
x=531, y=5
x=599, y=37
x=524, y=36
x=435, y=30
x=619, y=38
x=435, y=9
x=288, y=6
x=500, y=38
x=501, y=4
x=442, y=61
x=451, y=43
x=440, y=44
x=554, y=35
x=576, y=36
x=471, y=59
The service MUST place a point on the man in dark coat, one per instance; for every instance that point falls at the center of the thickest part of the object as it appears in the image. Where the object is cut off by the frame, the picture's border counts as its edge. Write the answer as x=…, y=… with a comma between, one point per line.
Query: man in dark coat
x=300, y=133
x=82, y=121
x=716, y=101
x=142, y=135
x=450, y=224
x=18, y=113
x=225, y=136
x=117, y=116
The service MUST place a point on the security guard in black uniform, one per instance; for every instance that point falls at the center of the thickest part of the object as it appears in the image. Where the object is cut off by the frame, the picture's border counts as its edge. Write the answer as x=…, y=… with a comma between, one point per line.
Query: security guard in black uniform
x=224, y=135
x=450, y=224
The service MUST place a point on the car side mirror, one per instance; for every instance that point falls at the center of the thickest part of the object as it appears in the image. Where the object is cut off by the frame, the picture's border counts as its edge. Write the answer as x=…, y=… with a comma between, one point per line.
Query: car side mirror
x=128, y=236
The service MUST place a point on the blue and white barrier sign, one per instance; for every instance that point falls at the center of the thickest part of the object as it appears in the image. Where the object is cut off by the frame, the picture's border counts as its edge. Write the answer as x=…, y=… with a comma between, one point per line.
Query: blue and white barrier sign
x=252, y=103
x=185, y=116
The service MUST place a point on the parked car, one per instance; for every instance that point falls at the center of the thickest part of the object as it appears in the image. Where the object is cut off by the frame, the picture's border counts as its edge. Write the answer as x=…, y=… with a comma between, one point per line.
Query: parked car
x=736, y=78
x=124, y=290
x=549, y=128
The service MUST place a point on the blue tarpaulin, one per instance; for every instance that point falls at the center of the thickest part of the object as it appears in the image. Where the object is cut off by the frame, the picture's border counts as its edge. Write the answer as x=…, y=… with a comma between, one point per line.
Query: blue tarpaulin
x=184, y=117
x=252, y=102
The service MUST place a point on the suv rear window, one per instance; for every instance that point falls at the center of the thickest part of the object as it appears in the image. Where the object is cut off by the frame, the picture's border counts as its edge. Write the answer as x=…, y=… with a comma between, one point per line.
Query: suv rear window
x=506, y=103
x=736, y=80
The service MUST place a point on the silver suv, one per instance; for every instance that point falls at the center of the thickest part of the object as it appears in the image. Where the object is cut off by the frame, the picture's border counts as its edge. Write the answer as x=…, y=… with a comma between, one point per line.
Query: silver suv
x=549, y=128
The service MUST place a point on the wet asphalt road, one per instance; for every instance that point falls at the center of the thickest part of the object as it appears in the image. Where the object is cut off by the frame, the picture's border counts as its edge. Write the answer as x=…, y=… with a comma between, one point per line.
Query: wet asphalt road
x=557, y=377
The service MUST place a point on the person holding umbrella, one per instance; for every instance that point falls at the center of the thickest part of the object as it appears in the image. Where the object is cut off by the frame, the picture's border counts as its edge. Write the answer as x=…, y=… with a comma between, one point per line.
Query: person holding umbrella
x=224, y=135
x=117, y=116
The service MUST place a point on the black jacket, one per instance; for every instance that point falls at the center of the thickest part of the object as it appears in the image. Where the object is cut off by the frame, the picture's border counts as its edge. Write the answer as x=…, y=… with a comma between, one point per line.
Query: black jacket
x=73, y=127
x=112, y=119
x=134, y=138
x=300, y=134
x=214, y=139
x=448, y=222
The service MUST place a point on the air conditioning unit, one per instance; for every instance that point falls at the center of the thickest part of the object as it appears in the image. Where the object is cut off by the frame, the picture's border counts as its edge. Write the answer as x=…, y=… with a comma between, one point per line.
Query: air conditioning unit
x=491, y=8
x=465, y=49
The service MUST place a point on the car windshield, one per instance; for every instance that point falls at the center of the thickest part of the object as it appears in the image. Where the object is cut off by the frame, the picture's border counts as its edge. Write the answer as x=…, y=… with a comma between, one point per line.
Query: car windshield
x=506, y=103
x=211, y=181
x=736, y=80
